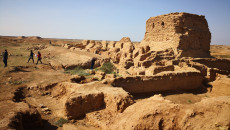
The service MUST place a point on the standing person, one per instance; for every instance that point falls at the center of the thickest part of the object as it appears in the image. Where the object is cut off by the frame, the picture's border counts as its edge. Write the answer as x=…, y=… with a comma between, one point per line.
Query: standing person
x=5, y=57
x=31, y=56
x=39, y=57
x=92, y=63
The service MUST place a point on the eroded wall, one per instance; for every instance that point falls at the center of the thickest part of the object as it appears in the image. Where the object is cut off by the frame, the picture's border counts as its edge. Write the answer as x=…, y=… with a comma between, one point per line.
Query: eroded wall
x=165, y=82
x=187, y=34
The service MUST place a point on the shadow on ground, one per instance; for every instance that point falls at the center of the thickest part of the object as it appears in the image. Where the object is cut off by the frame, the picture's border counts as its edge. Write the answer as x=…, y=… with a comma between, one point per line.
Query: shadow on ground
x=201, y=90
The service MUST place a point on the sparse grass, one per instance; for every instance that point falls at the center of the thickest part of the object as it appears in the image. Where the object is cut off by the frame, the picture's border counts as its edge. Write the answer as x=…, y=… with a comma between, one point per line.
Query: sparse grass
x=60, y=122
x=127, y=72
x=17, y=82
x=55, y=45
x=17, y=60
x=97, y=79
x=78, y=70
x=97, y=69
x=2, y=83
x=189, y=101
x=222, y=127
x=3, y=47
x=107, y=67
x=18, y=55
x=116, y=74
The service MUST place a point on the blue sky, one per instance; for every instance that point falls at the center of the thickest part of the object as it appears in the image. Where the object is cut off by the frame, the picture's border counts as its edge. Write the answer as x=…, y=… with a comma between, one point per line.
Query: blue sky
x=104, y=19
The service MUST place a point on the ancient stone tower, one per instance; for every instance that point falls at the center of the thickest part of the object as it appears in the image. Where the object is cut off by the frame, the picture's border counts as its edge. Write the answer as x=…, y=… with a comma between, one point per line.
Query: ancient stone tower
x=187, y=34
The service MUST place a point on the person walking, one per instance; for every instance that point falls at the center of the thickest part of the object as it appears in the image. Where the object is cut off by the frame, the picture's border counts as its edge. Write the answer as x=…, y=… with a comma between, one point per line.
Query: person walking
x=5, y=57
x=39, y=57
x=92, y=63
x=31, y=56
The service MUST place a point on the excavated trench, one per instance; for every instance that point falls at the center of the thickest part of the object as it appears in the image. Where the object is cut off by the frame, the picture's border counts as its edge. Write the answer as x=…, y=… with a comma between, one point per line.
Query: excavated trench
x=82, y=80
x=30, y=120
x=176, y=96
x=26, y=121
x=19, y=95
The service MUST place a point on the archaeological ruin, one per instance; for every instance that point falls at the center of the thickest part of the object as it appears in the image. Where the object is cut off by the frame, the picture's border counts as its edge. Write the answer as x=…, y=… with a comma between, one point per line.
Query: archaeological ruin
x=186, y=34
x=170, y=49
x=173, y=60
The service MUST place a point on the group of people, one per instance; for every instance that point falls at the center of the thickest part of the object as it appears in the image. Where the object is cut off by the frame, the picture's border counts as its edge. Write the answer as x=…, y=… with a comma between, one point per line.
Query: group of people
x=32, y=57
x=39, y=56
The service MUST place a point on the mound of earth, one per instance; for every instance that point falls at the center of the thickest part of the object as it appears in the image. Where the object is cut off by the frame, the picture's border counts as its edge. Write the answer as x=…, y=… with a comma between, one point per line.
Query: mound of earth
x=63, y=58
x=79, y=99
x=158, y=113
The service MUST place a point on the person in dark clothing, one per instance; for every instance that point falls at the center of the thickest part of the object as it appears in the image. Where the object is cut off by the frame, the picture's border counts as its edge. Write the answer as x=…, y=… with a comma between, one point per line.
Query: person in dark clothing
x=39, y=57
x=5, y=57
x=92, y=63
x=31, y=56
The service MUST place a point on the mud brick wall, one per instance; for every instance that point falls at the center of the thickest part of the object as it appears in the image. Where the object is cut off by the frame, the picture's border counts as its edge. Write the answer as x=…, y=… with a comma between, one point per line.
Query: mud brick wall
x=188, y=34
x=167, y=81
x=222, y=64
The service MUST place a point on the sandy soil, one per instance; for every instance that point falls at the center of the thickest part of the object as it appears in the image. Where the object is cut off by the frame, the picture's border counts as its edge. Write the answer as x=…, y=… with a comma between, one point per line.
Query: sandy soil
x=220, y=51
x=29, y=76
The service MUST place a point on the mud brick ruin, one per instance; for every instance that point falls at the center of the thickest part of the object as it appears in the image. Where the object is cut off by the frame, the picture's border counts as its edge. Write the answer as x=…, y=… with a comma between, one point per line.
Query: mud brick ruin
x=174, y=56
x=187, y=34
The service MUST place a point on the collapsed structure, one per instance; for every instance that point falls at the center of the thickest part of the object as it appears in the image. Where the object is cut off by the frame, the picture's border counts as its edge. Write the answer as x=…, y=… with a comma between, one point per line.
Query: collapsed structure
x=168, y=52
x=165, y=60
x=174, y=55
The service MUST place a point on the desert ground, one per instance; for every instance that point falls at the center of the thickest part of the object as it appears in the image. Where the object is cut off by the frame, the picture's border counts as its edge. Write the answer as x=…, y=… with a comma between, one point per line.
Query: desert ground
x=130, y=87
x=26, y=86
